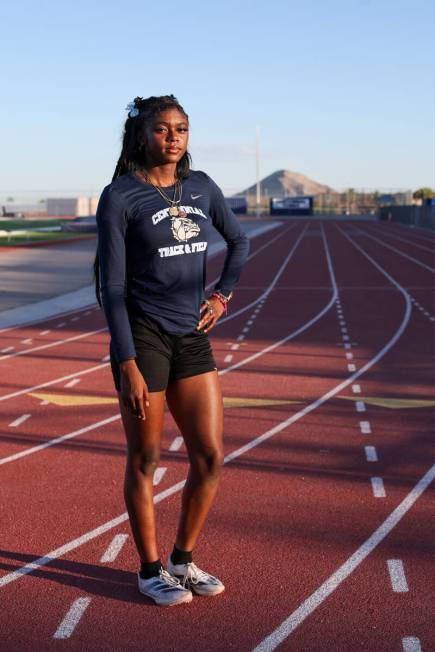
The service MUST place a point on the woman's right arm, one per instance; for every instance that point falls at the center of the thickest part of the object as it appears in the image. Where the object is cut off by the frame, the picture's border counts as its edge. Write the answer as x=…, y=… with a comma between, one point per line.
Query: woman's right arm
x=112, y=226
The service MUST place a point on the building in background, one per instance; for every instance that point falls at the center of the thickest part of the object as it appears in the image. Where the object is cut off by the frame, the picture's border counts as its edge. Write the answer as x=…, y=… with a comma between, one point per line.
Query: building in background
x=72, y=206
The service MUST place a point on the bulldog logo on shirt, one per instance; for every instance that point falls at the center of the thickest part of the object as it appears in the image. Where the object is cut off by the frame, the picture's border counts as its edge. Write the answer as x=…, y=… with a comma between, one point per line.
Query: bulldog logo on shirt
x=183, y=228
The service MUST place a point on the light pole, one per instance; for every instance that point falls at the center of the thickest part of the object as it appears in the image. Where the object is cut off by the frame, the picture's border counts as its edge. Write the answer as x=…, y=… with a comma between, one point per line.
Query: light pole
x=257, y=167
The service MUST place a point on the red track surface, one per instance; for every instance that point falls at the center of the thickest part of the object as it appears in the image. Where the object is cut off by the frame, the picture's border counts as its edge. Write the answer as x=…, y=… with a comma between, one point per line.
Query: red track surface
x=293, y=506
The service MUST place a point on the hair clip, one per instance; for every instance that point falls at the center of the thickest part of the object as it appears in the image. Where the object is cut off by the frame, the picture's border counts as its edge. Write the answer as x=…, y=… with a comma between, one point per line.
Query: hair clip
x=132, y=109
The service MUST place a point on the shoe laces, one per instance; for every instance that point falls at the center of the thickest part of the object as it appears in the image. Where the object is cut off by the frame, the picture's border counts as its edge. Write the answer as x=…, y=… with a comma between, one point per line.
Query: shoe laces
x=168, y=578
x=194, y=574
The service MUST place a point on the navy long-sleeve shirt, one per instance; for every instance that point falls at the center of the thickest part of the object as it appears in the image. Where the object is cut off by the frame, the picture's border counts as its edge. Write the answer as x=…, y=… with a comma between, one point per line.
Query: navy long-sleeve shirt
x=156, y=263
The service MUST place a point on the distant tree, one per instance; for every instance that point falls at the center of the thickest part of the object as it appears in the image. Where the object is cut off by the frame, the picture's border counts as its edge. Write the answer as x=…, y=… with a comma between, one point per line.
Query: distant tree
x=424, y=193
x=10, y=199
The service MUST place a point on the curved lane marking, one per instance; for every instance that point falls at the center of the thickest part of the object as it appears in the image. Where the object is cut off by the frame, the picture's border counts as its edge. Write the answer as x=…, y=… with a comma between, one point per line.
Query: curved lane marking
x=319, y=595
x=92, y=534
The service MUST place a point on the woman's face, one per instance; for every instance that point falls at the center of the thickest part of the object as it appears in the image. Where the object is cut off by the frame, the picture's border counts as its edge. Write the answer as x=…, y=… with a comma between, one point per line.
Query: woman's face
x=166, y=137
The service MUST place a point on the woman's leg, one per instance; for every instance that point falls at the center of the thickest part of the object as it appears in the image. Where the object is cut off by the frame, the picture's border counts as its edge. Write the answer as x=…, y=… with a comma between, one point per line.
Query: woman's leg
x=197, y=407
x=143, y=456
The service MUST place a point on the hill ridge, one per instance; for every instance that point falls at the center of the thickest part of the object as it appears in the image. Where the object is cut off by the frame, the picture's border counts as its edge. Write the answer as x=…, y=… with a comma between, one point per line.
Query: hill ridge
x=285, y=183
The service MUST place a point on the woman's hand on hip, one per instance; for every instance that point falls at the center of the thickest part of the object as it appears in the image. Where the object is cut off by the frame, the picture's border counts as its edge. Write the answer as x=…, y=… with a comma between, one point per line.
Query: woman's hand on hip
x=134, y=390
x=211, y=311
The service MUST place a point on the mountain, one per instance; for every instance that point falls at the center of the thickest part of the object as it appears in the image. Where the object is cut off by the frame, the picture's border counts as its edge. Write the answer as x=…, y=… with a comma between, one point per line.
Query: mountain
x=284, y=183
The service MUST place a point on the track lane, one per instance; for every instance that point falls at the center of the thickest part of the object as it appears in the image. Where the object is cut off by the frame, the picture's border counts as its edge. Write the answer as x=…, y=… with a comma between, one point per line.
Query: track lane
x=11, y=369
x=274, y=507
x=96, y=435
x=323, y=626
x=32, y=333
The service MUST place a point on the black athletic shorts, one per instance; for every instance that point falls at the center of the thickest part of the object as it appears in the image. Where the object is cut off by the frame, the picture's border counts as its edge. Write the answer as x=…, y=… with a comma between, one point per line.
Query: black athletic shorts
x=162, y=356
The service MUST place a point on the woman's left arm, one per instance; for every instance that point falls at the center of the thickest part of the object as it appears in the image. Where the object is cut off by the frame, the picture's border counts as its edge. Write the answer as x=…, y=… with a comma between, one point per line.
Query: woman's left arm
x=237, y=241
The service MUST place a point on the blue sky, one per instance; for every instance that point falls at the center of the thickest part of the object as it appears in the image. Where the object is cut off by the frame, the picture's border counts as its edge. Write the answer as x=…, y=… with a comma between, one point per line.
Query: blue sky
x=342, y=91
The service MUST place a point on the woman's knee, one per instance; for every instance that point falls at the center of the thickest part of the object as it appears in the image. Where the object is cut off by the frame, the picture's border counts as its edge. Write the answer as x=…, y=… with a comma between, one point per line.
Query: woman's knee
x=208, y=463
x=144, y=462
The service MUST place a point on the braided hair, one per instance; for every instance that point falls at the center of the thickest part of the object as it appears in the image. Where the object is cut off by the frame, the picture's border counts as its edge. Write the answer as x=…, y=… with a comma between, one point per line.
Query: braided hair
x=133, y=152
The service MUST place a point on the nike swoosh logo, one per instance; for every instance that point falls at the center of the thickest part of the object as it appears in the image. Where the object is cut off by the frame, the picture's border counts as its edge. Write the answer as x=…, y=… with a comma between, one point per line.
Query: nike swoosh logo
x=195, y=196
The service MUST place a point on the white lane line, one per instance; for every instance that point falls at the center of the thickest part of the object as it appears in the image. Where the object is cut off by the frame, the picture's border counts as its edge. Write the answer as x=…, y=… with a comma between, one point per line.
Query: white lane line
x=411, y=498
x=240, y=338
x=349, y=356
x=61, y=325
x=401, y=253
x=19, y=421
x=7, y=349
x=371, y=454
x=242, y=363
x=250, y=322
x=44, y=403
x=360, y=406
x=27, y=341
x=342, y=573
x=228, y=358
x=72, y=618
x=356, y=389
x=351, y=367
x=262, y=298
x=345, y=337
x=343, y=329
x=158, y=475
x=365, y=427
x=397, y=576
x=106, y=358
x=57, y=440
x=176, y=444
x=39, y=321
x=73, y=382
x=410, y=242
x=114, y=548
x=302, y=328
x=347, y=346
x=74, y=318
x=378, y=487
x=27, y=390
x=45, y=332
x=88, y=312
x=81, y=540
x=56, y=343
x=245, y=330
x=411, y=644
x=257, y=251
x=234, y=347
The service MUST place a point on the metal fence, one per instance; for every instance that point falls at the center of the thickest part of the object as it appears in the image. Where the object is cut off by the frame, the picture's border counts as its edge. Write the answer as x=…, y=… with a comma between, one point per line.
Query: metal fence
x=421, y=216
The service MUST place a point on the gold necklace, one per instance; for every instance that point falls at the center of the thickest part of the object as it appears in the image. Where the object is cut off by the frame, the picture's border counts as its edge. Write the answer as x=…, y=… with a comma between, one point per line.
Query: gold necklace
x=174, y=210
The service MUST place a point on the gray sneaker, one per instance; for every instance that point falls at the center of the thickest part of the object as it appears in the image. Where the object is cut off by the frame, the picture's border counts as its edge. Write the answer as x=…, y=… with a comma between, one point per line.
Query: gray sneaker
x=164, y=589
x=195, y=579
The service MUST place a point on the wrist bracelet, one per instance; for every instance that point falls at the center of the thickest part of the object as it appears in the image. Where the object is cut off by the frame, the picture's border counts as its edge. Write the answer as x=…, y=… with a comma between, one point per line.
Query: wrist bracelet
x=217, y=292
x=221, y=299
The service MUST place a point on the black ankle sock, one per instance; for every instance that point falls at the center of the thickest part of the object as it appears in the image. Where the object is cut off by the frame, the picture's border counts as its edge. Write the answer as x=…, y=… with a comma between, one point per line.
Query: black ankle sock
x=180, y=556
x=150, y=569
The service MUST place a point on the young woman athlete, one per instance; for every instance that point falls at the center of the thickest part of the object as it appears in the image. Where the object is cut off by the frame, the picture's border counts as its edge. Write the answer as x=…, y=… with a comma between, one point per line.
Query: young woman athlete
x=155, y=220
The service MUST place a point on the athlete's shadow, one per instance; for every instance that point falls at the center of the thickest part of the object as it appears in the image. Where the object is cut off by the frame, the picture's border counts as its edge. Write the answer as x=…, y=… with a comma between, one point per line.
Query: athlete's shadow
x=93, y=579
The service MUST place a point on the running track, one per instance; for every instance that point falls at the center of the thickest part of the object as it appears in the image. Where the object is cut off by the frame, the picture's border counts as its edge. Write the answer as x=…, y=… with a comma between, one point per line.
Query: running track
x=322, y=530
